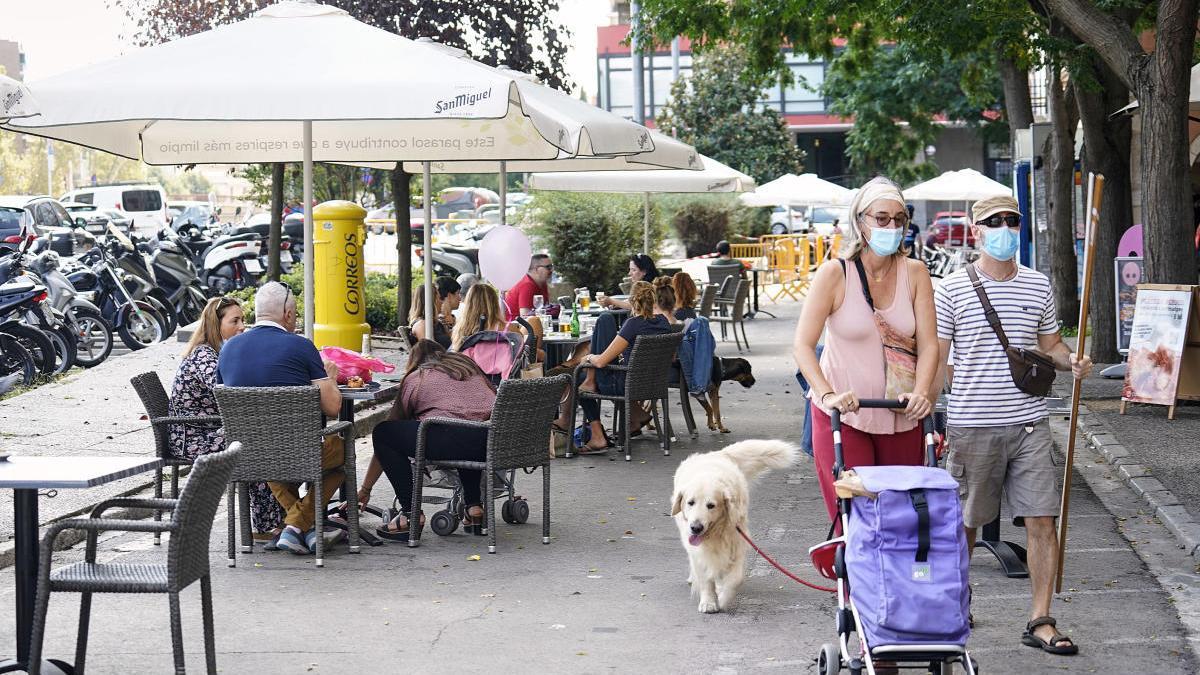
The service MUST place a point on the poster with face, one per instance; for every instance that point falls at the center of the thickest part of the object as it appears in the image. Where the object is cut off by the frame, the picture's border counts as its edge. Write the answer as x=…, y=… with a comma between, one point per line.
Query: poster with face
x=1156, y=343
x=1128, y=274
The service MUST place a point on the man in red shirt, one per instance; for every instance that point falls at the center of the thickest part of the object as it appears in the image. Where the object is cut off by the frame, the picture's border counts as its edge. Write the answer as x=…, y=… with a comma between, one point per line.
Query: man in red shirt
x=533, y=283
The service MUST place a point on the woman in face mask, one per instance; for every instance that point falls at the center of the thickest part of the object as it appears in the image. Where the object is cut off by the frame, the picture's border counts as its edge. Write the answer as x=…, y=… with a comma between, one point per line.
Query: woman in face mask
x=876, y=308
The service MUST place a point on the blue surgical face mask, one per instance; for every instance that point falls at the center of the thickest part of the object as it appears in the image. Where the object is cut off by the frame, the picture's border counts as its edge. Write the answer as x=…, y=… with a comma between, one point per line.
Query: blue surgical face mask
x=885, y=240
x=1001, y=242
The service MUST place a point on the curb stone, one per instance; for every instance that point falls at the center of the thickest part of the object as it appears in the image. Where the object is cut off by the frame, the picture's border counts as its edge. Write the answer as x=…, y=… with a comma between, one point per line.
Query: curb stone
x=362, y=427
x=1166, y=506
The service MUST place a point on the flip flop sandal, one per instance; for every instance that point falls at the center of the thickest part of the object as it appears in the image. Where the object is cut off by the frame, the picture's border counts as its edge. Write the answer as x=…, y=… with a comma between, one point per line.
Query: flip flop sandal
x=1053, y=646
x=586, y=450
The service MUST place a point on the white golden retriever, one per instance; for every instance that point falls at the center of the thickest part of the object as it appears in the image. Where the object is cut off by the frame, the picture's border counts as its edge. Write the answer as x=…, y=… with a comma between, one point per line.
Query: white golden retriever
x=711, y=500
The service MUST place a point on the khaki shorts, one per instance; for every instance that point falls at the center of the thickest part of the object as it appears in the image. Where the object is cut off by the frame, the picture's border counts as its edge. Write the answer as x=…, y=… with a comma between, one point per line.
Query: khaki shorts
x=1016, y=458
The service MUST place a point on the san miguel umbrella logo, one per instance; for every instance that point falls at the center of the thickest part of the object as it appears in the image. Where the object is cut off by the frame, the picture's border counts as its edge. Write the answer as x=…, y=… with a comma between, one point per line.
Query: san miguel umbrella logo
x=12, y=100
x=461, y=101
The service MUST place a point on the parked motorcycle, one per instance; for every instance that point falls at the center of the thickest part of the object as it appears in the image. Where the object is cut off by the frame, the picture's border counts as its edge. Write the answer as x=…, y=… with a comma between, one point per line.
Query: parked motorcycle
x=226, y=263
x=94, y=336
x=18, y=298
x=116, y=293
x=16, y=363
x=41, y=315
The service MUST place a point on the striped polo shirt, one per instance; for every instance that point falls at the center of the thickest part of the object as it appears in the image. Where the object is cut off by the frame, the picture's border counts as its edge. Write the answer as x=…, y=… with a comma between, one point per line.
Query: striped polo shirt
x=983, y=393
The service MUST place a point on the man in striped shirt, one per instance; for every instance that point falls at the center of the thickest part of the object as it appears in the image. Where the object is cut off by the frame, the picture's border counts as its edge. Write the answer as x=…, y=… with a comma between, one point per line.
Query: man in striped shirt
x=999, y=436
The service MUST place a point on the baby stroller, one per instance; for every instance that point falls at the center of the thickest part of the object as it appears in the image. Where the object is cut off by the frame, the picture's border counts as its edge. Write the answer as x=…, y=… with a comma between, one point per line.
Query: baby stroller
x=900, y=566
x=501, y=355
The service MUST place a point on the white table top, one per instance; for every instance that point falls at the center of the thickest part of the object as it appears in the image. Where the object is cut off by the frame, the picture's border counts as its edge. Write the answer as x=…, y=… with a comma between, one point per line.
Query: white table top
x=28, y=472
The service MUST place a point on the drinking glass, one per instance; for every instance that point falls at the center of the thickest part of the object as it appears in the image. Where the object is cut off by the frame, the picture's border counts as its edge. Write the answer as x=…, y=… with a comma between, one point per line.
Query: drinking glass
x=538, y=303
x=584, y=297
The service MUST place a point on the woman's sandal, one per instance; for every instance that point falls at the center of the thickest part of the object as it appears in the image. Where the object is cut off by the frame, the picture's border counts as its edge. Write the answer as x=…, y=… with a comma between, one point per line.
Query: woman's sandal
x=386, y=531
x=473, y=524
x=1054, y=645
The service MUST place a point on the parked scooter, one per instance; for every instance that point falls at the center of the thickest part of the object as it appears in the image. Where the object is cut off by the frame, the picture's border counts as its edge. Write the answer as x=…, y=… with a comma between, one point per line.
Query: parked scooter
x=115, y=291
x=41, y=316
x=227, y=263
x=94, y=336
x=172, y=264
x=19, y=298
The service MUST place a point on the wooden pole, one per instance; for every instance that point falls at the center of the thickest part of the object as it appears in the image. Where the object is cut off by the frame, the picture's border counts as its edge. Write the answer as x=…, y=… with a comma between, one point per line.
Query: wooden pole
x=1095, y=193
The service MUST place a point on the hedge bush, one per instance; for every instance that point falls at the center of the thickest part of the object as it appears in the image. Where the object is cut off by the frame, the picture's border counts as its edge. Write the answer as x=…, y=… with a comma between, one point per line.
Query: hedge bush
x=700, y=225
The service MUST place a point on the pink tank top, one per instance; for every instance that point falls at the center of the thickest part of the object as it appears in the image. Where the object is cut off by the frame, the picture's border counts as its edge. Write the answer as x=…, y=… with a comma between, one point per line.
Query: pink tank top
x=853, y=356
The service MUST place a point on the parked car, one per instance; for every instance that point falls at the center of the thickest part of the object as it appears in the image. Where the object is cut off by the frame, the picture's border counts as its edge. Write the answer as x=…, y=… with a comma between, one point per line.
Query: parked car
x=779, y=220
x=92, y=219
x=950, y=228
x=383, y=219
x=186, y=214
x=823, y=220
x=48, y=219
x=144, y=203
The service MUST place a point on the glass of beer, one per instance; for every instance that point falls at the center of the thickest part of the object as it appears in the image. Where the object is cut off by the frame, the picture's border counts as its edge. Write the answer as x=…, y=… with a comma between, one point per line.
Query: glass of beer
x=585, y=298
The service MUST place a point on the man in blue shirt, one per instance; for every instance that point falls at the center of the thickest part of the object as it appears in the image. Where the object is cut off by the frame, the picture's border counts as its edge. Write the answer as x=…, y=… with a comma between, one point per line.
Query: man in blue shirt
x=272, y=355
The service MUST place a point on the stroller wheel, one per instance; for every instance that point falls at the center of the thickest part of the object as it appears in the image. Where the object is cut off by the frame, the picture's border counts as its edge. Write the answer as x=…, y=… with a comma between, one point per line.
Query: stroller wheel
x=829, y=661
x=506, y=512
x=520, y=510
x=443, y=523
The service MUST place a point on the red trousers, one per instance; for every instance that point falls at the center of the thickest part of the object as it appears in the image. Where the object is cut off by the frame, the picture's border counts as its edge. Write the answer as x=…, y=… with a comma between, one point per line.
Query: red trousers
x=859, y=448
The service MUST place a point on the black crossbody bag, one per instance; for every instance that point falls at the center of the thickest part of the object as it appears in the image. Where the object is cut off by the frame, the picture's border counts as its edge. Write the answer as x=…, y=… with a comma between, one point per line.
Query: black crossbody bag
x=1032, y=371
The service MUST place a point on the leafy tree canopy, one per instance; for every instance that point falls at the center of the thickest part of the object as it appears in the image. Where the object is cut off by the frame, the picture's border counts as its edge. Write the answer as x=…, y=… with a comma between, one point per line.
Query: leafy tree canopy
x=719, y=111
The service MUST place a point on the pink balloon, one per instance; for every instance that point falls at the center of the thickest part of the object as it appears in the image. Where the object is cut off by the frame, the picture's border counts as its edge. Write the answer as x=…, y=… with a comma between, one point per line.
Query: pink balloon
x=504, y=256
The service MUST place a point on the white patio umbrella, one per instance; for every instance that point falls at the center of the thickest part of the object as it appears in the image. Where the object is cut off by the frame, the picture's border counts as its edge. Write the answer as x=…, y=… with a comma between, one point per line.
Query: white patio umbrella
x=714, y=177
x=15, y=99
x=1193, y=99
x=790, y=190
x=353, y=93
x=965, y=185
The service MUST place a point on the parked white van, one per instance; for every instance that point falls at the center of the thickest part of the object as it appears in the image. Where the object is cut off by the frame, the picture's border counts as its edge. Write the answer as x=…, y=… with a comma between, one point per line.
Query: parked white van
x=145, y=203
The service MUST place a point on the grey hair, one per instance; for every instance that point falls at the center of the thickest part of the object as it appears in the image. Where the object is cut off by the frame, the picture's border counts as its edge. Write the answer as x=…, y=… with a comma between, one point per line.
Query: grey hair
x=879, y=187
x=270, y=301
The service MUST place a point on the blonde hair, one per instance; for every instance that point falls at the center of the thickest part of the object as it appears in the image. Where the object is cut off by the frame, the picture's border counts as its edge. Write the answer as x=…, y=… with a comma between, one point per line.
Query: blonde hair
x=872, y=191
x=209, y=330
x=482, y=301
x=417, y=311
x=642, y=298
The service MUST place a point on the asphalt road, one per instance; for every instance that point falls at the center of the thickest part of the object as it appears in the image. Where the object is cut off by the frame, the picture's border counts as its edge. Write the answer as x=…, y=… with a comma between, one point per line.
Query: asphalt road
x=609, y=594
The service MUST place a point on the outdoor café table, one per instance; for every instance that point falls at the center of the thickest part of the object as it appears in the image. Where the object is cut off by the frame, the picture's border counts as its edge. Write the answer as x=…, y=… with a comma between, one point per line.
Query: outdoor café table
x=1011, y=556
x=379, y=390
x=26, y=475
x=558, y=346
x=754, y=272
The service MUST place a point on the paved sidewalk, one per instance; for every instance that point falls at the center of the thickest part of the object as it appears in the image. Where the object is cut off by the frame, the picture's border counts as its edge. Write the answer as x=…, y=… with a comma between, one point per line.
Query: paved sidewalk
x=608, y=594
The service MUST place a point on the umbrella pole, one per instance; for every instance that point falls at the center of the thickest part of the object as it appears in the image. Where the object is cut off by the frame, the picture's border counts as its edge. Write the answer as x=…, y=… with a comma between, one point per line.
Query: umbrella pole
x=309, y=273
x=427, y=249
x=646, y=223
x=503, y=193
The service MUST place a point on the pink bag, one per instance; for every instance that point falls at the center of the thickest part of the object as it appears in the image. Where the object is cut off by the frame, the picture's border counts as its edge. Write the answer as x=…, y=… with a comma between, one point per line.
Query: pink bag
x=351, y=363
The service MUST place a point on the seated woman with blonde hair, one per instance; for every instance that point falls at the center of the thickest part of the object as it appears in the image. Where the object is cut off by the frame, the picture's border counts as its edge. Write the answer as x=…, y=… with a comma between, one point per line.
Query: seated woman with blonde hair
x=481, y=311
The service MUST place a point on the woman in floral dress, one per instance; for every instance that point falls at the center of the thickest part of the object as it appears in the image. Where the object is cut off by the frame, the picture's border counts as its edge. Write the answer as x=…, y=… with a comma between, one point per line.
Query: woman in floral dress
x=192, y=394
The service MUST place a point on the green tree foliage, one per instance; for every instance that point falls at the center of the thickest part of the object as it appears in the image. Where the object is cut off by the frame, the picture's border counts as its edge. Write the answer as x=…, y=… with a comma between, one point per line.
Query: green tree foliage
x=897, y=99
x=590, y=236
x=380, y=293
x=719, y=111
x=23, y=165
x=701, y=225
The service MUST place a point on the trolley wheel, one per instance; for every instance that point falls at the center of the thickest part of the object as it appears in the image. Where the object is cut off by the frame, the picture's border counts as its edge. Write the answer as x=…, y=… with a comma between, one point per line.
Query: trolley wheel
x=829, y=661
x=443, y=523
x=506, y=512
x=520, y=510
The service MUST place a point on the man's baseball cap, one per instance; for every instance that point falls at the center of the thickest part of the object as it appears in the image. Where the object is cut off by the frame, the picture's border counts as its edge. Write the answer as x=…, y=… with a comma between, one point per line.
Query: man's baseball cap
x=986, y=208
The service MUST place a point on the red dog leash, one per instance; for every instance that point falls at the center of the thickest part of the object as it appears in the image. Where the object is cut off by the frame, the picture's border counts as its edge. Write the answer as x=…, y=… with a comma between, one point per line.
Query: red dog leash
x=779, y=567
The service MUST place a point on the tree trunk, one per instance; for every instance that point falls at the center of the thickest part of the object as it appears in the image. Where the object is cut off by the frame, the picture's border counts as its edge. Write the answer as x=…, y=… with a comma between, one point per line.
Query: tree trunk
x=275, y=234
x=1161, y=82
x=1060, y=180
x=1018, y=107
x=400, y=198
x=1106, y=151
x=1162, y=91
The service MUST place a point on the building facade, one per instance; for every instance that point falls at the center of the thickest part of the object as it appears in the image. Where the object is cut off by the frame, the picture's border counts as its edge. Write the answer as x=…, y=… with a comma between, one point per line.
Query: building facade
x=12, y=60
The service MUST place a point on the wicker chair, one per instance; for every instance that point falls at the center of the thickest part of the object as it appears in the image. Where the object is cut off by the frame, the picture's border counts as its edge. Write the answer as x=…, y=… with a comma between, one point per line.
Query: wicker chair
x=150, y=389
x=646, y=377
x=708, y=297
x=281, y=433
x=517, y=432
x=187, y=559
x=736, y=314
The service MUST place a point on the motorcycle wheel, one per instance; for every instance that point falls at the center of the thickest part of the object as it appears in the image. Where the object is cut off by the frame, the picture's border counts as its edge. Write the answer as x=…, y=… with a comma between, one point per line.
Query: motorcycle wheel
x=189, y=308
x=93, y=337
x=166, y=311
x=16, y=360
x=38, y=344
x=141, y=329
x=65, y=348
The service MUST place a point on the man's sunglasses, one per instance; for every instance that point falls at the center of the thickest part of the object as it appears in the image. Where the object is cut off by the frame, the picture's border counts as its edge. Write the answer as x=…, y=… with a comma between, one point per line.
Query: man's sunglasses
x=549, y=267
x=1011, y=220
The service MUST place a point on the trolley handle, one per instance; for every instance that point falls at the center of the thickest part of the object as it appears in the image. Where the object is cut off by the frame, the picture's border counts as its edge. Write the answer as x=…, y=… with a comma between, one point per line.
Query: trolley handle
x=835, y=419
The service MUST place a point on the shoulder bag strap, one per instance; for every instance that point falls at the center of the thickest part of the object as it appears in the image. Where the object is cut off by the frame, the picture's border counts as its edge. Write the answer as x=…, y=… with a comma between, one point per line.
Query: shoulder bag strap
x=862, y=278
x=993, y=319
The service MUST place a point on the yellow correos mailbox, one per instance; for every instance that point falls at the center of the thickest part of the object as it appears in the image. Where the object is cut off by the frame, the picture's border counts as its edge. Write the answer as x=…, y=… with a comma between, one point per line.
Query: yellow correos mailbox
x=340, y=317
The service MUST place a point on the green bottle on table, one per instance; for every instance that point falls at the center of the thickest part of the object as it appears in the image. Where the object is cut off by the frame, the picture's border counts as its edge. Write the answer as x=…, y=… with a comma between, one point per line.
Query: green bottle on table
x=575, y=319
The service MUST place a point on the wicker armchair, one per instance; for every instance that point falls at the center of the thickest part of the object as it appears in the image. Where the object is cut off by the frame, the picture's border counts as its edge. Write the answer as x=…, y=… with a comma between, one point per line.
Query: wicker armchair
x=187, y=559
x=646, y=378
x=736, y=314
x=150, y=389
x=708, y=298
x=517, y=433
x=281, y=435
